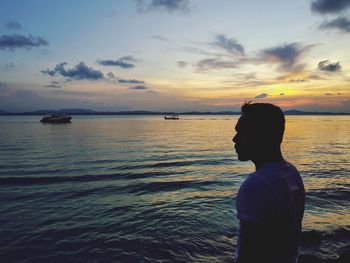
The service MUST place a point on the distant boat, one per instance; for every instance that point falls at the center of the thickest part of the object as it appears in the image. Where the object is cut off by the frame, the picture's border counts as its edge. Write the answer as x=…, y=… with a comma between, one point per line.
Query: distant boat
x=172, y=117
x=56, y=118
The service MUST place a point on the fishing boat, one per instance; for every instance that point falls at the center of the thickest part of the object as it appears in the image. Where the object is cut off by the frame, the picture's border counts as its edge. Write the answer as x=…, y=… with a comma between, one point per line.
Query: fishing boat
x=56, y=118
x=171, y=117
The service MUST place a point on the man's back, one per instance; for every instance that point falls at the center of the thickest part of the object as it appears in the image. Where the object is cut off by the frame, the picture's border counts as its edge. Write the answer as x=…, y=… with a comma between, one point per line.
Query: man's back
x=270, y=206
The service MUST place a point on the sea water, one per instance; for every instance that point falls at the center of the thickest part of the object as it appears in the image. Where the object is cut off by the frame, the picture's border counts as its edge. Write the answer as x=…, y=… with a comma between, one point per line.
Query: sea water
x=145, y=189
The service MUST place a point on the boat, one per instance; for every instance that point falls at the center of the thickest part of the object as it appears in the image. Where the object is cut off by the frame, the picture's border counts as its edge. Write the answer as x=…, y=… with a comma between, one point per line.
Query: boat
x=56, y=118
x=171, y=117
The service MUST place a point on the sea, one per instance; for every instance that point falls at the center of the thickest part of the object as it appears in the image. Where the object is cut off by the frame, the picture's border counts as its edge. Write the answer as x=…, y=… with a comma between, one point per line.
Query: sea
x=145, y=189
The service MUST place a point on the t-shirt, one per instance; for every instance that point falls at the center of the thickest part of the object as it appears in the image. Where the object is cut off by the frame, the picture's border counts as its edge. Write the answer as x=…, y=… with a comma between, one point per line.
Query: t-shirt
x=274, y=196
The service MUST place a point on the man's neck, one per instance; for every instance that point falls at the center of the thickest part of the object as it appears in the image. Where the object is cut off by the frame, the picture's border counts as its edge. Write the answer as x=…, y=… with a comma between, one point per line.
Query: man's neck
x=267, y=158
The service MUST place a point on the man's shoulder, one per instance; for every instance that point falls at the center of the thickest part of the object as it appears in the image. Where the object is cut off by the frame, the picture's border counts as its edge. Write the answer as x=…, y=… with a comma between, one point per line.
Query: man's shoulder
x=254, y=187
x=270, y=182
x=253, y=181
x=254, y=200
x=278, y=166
x=277, y=171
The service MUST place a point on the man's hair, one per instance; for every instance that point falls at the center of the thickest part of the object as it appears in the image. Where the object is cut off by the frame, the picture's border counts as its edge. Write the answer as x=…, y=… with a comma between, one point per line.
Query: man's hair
x=266, y=120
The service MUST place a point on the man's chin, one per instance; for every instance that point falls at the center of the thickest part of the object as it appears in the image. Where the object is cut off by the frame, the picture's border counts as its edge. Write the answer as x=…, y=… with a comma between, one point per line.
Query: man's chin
x=243, y=158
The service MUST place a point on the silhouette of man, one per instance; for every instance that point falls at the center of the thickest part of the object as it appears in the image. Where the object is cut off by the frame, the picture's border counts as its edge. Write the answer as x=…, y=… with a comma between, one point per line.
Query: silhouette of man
x=270, y=202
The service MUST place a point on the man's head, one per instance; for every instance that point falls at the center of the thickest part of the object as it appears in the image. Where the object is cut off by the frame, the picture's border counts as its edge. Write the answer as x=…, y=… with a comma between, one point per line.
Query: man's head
x=259, y=131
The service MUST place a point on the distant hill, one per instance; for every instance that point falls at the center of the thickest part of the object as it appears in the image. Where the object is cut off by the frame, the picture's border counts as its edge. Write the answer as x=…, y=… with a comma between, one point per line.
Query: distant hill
x=298, y=112
x=45, y=112
x=141, y=112
x=76, y=111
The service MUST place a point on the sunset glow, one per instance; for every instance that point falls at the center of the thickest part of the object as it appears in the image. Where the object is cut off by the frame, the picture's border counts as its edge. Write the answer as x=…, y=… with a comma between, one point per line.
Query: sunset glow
x=172, y=55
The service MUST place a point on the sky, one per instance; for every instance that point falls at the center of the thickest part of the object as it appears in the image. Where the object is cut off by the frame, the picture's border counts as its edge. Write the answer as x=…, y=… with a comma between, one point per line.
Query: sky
x=174, y=55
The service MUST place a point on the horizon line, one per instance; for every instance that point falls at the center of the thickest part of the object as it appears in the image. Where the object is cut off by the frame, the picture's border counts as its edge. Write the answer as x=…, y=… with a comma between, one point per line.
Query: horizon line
x=79, y=111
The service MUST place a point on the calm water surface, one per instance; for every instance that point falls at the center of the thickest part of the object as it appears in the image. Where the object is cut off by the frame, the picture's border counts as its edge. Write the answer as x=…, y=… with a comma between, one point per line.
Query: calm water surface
x=142, y=189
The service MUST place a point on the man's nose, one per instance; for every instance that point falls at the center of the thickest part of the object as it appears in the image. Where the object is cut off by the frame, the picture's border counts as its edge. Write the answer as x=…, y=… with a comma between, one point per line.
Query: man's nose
x=234, y=138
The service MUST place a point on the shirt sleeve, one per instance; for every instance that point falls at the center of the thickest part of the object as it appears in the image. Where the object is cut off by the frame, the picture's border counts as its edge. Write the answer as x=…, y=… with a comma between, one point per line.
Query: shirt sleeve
x=254, y=201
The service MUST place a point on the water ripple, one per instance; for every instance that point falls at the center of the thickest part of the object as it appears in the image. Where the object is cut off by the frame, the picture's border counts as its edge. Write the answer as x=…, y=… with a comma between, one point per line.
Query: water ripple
x=141, y=189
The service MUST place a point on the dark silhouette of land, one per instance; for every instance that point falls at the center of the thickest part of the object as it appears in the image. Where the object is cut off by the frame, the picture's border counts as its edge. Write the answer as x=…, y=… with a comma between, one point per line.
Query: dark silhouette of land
x=141, y=112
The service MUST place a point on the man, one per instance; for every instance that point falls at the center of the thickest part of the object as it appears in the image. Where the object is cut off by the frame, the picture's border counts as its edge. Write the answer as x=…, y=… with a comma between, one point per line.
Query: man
x=270, y=202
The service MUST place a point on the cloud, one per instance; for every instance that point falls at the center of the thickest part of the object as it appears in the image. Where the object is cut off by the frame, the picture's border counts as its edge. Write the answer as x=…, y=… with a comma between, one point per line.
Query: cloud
x=326, y=65
x=250, y=76
x=13, y=25
x=287, y=55
x=199, y=51
x=9, y=66
x=166, y=5
x=248, y=80
x=315, y=77
x=160, y=38
x=53, y=84
x=281, y=94
x=288, y=58
x=138, y=87
x=129, y=58
x=229, y=44
x=111, y=75
x=329, y=94
x=341, y=23
x=123, y=62
x=113, y=13
x=14, y=41
x=181, y=64
x=131, y=81
x=215, y=63
x=329, y=6
x=261, y=96
x=298, y=80
x=153, y=92
x=78, y=72
x=51, y=72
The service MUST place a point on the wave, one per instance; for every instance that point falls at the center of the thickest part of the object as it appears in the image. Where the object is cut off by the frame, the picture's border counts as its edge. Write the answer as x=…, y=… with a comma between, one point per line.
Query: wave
x=20, y=180
x=314, y=237
x=184, y=163
x=149, y=188
x=168, y=186
x=31, y=169
x=332, y=242
x=338, y=193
